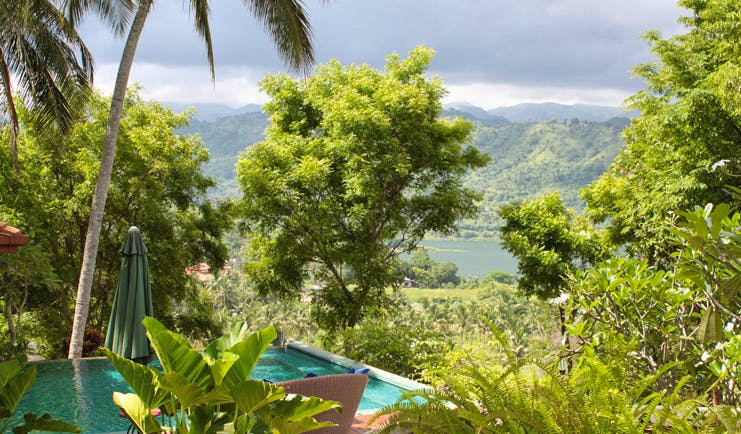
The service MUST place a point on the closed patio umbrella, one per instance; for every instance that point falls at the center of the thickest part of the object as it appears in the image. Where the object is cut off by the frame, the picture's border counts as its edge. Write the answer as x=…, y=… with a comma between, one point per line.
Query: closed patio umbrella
x=126, y=334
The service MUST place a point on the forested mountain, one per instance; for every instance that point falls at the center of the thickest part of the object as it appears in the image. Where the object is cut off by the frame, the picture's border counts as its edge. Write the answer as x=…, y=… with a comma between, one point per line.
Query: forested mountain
x=529, y=112
x=527, y=159
x=225, y=138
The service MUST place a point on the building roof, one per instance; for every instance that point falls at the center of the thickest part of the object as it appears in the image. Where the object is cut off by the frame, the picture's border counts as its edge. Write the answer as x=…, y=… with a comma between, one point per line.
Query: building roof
x=11, y=238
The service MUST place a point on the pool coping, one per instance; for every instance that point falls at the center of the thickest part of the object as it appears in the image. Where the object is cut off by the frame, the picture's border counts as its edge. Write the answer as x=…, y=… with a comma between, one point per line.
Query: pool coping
x=379, y=374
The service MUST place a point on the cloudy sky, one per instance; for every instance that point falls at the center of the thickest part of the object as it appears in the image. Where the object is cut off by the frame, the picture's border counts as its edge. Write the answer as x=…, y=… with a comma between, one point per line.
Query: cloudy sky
x=490, y=53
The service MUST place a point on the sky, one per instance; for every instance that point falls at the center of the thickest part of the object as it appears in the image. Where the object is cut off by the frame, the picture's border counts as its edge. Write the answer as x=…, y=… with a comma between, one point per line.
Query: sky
x=489, y=53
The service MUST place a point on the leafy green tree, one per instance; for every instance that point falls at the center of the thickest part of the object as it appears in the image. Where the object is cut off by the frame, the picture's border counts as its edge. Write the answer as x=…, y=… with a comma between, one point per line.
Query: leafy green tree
x=356, y=167
x=285, y=21
x=684, y=149
x=549, y=242
x=158, y=186
x=43, y=55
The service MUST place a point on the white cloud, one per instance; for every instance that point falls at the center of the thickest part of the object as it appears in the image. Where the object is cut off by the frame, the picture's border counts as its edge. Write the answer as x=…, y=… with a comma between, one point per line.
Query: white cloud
x=234, y=87
x=492, y=95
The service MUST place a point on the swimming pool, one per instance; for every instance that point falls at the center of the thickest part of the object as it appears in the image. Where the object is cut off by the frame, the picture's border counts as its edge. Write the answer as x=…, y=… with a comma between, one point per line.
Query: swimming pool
x=80, y=391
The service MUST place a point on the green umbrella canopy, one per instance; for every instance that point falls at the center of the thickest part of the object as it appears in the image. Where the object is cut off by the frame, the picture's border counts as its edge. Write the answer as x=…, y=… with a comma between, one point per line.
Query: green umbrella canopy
x=126, y=334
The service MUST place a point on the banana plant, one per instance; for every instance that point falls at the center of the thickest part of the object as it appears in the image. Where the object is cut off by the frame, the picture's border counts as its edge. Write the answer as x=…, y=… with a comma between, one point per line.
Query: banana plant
x=15, y=380
x=211, y=391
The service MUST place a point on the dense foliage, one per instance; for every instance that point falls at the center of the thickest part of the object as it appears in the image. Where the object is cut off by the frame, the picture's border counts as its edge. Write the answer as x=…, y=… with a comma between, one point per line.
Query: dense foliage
x=158, y=187
x=549, y=242
x=684, y=149
x=356, y=168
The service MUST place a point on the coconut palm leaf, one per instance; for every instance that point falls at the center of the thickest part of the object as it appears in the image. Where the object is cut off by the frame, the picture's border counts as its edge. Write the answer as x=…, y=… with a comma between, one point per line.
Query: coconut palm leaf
x=39, y=52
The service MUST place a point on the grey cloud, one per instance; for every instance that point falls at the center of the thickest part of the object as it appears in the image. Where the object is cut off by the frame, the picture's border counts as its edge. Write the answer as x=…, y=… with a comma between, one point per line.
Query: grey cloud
x=537, y=42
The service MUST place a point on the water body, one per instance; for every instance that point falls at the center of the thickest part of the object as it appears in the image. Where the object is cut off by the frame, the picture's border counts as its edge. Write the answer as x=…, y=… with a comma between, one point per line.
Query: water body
x=473, y=258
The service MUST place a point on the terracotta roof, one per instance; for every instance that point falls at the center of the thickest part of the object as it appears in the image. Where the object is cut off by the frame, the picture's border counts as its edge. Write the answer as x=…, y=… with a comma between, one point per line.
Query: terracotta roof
x=11, y=238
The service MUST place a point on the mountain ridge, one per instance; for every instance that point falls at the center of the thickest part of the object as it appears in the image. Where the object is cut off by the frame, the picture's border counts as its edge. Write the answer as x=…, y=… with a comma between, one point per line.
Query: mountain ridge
x=524, y=112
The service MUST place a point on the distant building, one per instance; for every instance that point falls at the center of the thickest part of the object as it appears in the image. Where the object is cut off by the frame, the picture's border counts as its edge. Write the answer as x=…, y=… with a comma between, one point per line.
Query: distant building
x=202, y=272
x=409, y=283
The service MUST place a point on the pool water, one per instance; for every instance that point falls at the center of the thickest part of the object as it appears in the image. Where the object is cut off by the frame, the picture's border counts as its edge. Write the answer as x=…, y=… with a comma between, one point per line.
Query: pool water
x=80, y=391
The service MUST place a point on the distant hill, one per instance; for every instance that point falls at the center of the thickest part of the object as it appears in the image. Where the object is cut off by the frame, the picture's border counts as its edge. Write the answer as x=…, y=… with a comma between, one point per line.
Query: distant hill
x=530, y=112
x=212, y=112
x=527, y=159
x=225, y=138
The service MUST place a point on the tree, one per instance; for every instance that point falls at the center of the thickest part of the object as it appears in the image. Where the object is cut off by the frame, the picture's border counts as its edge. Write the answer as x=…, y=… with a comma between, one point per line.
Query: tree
x=356, y=168
x=684, y=149
x=39, y=52
x=158, y=186
x=286, y=22
x=549, y=242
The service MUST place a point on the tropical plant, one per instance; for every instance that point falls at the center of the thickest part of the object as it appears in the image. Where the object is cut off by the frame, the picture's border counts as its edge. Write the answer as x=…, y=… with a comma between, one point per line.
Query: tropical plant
x=15, y=380
x=632, y=314
x=683, y=149
x=286, y=22
x=211, y=392
x=534, y=396
x=357, y=166
x=43, y=55
x=709, y=261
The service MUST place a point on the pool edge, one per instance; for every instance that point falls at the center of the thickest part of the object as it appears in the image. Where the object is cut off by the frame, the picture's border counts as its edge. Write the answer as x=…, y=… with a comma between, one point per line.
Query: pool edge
x=380, y=374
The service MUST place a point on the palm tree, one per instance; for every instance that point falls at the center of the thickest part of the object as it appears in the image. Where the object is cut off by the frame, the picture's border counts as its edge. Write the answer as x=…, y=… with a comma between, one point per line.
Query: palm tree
x=284, y=20
x=39, y=52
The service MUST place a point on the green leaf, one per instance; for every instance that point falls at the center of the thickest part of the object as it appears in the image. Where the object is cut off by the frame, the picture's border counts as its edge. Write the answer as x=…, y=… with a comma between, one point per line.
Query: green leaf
x=8, y=370
x=176, y=355
x=187, y=393
x=221, y=365
x=154, y=329
x=719, y=214
x=249, y=352
x=206, y=419
x=711, y=328
x=16, y=386
x=252, y=395
x=137, y=412
x=296, y=415
x=730, y=289
x=44, y=423
x=235, y=335
x=142, y=379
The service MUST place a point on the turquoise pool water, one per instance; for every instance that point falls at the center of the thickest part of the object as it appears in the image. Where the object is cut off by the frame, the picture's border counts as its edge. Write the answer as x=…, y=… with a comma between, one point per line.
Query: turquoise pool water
x=80, y=391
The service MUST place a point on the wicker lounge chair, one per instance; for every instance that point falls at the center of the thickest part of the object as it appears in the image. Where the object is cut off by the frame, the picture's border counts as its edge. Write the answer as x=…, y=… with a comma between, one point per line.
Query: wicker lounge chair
x=347, y=389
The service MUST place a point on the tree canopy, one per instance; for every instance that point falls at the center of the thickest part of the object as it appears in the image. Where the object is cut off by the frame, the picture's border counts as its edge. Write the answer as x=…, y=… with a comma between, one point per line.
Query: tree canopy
x=684, y=149
x=549, y=242
x=158, y=187
x=356, y=168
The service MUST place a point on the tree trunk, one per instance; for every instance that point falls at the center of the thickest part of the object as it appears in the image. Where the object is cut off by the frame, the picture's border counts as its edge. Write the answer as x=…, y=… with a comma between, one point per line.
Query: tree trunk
x=5, y=75
x=92, y=239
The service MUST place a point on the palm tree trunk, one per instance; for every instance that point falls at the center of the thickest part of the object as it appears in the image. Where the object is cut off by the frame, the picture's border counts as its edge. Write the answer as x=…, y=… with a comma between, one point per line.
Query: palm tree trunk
x=92, y=239
x=5, y=75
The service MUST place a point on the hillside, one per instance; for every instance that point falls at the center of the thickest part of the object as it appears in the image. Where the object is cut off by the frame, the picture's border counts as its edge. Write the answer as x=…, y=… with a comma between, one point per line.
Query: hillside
x=528, y=159
x=225, y=138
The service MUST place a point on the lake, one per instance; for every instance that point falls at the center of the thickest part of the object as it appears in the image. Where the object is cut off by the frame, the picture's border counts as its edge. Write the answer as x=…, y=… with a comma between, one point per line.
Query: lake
x=473, y=258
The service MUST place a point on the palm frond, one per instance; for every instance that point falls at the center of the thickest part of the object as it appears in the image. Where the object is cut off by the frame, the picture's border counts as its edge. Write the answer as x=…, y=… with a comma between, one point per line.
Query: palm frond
x=47, y=61
x=200, y=10
x=288, y=24
x=117, y=13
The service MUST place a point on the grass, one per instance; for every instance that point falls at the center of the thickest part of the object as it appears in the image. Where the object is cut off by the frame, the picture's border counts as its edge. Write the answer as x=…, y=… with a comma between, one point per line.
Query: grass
x=416, y=294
